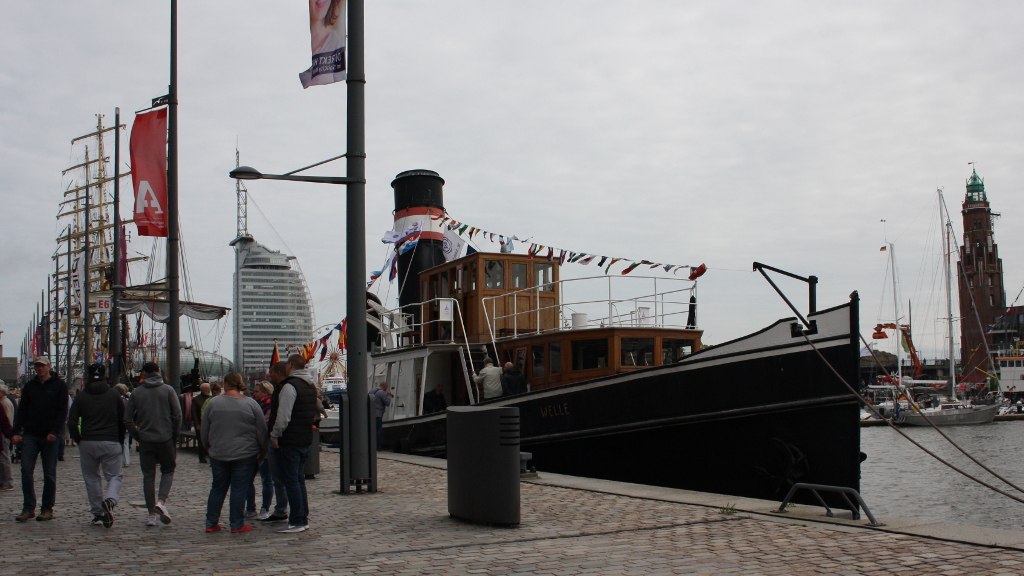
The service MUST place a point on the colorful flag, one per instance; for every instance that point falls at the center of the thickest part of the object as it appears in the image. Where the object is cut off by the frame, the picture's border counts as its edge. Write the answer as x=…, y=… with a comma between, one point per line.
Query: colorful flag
x=276, y=356
x=327, y=40
x=631, y=267
x=610, y=264
x=148, y=150
x=343, y=335
x=697, y=272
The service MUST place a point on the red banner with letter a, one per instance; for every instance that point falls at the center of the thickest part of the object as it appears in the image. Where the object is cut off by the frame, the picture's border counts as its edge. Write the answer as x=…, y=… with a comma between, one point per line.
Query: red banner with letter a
x=149, y=172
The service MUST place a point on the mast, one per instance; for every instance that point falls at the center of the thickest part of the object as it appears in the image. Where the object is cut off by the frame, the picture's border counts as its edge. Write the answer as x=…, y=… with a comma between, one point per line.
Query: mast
x=87, y=322
x=896, y=315
x=948, y=248
x=114, y=331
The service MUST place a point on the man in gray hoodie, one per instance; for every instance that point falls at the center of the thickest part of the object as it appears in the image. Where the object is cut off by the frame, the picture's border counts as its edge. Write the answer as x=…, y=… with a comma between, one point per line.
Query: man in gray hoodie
x=153, y=415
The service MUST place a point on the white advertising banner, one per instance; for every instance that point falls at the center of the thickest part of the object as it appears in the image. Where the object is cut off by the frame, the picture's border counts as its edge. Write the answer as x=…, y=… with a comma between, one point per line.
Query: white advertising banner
x=327, y=40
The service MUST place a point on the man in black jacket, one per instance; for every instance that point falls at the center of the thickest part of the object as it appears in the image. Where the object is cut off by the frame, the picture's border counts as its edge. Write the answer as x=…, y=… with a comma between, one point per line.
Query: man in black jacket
x=96, y=423
x=38, y=425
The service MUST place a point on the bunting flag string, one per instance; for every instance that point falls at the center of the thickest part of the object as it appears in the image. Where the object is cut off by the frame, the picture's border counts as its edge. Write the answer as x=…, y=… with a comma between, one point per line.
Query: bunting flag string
x=406, y=240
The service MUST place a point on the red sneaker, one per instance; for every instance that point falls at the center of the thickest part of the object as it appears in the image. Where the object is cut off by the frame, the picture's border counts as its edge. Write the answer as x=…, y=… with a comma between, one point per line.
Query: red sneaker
x=244, y=528
x=216, y=528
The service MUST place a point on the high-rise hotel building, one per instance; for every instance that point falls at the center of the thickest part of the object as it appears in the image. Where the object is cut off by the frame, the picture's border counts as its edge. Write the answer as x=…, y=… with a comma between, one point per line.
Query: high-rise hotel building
x=271, y=301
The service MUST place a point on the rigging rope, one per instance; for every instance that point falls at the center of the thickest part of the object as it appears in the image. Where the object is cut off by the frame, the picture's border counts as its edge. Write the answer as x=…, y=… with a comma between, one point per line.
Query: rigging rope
x=915, y=442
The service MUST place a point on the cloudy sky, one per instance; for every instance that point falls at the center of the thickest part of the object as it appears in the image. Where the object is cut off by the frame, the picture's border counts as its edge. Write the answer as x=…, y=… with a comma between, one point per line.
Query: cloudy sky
x=678, y=132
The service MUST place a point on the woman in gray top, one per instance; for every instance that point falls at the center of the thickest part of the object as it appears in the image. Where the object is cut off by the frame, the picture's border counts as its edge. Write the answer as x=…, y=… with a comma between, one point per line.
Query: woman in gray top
x=235, y=436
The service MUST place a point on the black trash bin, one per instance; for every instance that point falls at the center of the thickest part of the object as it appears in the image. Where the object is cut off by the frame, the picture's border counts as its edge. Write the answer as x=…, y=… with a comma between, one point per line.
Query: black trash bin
x=483, y=464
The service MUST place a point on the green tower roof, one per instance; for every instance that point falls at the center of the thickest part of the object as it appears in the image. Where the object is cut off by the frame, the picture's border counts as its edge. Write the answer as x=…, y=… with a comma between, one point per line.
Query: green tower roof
x=975, y=188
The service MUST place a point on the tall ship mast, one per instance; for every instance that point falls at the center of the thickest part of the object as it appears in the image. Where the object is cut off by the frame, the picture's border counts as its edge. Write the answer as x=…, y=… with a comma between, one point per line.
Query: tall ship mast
x=84, y=256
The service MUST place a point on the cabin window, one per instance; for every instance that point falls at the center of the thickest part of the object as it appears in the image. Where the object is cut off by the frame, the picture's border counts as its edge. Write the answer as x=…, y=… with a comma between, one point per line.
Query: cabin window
x=673, y=349
x=637, y=351
x=545, y=276
x=587, y=354
x=521, y=359
x=423, y=290
x=519, y=276
x=1002, y=364
x=494, y=274
x=457, y=280
x=472, y=276
x=433, y=288
x=537, y=370
x=444, y=286
x=555, y=357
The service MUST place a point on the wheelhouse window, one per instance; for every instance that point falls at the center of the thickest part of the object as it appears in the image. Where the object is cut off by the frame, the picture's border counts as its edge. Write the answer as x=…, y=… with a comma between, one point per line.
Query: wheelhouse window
x=555, y=357
x=444, y=286
x=588, y=354
x=494, y=274
x=545, y=276
x=638, y=351
x=472, y=276
x=674, y=349
x=537, y=355
x=519, y=276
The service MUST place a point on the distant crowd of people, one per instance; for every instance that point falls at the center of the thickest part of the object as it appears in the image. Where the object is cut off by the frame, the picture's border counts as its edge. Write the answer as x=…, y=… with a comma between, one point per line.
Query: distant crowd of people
x=267, y=434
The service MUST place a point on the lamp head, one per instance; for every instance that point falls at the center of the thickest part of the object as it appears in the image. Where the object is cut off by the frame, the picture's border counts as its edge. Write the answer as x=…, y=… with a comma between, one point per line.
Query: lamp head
x=245, y=173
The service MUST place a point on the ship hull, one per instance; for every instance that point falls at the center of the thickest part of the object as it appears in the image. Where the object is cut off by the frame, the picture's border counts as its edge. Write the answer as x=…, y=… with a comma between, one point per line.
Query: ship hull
x=747, y=418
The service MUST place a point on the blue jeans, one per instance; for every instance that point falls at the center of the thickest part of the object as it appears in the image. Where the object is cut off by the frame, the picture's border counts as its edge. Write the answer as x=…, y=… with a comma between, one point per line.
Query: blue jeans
x=236, y=474
x=267, y=480
x=291, y=464
x=32, y=446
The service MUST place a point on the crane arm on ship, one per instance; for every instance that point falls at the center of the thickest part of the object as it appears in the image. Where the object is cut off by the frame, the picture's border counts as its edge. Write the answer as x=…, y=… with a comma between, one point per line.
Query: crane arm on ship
x=905, y=331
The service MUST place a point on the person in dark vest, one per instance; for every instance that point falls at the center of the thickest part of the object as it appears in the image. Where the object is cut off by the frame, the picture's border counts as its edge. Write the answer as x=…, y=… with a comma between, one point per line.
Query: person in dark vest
x=513, y=381
x=292, y=414
x=38, y=425
x=96, y=424
x=278, y=372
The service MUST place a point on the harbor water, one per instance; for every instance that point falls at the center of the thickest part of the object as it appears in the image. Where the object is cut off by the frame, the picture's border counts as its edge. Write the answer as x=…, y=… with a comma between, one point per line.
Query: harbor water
x=900, y=480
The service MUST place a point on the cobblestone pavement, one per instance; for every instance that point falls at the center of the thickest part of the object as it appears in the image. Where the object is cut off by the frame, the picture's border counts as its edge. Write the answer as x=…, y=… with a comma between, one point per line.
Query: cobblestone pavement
x=405, y=529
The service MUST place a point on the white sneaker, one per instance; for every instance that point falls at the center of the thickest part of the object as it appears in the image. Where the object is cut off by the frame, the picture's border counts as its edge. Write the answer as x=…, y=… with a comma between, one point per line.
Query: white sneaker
x=250, y=513
x=263, y=515
x=161, y=509
x=152, y=520
x=291, y=529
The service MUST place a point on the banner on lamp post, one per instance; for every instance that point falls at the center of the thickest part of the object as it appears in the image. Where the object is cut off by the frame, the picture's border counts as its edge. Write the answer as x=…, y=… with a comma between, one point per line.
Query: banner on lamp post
x=327, y=40
x=149, y=172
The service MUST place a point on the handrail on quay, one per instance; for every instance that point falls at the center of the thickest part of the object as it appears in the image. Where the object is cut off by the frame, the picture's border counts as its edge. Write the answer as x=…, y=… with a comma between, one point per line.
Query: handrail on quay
x=841, y=490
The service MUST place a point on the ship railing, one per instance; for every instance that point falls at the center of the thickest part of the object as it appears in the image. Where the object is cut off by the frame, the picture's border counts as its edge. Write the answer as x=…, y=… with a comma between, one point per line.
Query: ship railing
x=664, y=303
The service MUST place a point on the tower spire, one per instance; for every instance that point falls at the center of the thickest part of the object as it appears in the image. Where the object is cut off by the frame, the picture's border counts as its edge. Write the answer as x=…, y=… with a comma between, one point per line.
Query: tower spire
x=242, y=196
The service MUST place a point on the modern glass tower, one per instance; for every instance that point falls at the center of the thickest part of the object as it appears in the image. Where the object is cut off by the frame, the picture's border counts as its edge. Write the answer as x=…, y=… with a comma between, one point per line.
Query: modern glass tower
x=271, y=301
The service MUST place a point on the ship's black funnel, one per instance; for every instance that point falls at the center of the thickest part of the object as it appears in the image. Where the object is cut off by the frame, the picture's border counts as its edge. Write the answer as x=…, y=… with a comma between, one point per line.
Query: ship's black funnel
x=419, y=196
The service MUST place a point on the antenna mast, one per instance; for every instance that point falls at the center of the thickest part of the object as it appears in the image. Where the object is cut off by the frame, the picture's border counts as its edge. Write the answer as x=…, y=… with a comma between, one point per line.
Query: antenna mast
x=243, y=203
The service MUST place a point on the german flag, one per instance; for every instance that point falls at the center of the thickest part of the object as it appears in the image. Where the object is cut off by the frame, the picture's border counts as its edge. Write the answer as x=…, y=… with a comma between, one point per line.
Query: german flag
x=276, y=356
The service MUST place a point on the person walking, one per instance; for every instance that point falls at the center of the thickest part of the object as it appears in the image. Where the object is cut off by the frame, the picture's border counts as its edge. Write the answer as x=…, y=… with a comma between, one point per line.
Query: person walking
x=38, y=424
x=6, y=469
x=278, y=372
x=291, y=418
x=96, y=424
x=381, y=400
x=198, y=402
x=513, y=381
x=234, y=434
x=153, y=416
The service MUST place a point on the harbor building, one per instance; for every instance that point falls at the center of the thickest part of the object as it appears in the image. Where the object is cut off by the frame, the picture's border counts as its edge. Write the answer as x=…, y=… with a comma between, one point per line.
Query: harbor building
x=271, y=300
x=980, y=274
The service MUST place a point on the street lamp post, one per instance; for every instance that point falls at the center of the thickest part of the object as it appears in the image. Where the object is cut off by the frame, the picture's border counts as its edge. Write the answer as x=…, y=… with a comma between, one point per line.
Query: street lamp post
x=358, y=385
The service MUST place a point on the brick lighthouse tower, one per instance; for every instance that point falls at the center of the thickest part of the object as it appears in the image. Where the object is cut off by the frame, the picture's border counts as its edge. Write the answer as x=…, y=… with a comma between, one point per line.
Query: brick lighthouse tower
x=980, y=274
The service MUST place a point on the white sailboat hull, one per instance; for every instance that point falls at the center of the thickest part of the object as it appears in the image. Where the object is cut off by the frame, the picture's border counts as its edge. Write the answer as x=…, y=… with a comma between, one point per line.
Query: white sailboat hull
x=951, y=416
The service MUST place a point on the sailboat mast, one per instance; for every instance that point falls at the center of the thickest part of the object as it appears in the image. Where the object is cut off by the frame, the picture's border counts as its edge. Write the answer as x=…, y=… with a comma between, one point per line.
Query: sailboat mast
x=948, y=248
x=896, y=314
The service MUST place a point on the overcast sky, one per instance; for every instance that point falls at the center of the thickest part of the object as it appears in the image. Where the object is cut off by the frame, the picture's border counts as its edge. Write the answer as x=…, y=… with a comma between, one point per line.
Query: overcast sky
x=685, y=133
